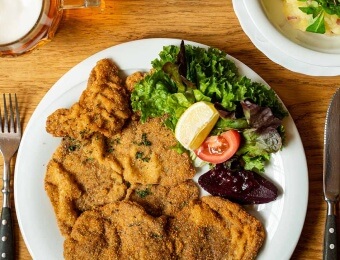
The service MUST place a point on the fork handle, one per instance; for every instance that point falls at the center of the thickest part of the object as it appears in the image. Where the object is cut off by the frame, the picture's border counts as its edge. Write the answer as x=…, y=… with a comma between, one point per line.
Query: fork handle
x=6, y=234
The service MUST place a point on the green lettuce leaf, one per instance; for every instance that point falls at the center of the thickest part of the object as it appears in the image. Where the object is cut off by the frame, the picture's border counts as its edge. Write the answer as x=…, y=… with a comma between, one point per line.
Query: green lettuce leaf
x=257, y=147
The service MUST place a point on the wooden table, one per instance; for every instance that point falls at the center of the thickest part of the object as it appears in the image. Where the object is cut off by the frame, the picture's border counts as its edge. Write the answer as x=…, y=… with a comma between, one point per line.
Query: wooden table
x=85, y=32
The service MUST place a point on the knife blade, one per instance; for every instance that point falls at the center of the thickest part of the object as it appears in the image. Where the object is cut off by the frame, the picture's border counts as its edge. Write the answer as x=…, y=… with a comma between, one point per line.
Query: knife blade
x=331, y=175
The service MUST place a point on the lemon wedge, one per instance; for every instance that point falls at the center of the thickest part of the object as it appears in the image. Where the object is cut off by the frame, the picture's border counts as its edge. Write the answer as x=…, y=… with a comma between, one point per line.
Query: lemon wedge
x=195, y=124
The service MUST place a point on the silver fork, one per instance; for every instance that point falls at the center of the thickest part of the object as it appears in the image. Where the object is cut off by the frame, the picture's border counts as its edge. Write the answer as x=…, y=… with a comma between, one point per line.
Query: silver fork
x=10, y=136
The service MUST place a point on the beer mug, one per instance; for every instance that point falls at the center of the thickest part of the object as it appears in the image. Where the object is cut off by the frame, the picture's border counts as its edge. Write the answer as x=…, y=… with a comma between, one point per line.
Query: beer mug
x=27, y=24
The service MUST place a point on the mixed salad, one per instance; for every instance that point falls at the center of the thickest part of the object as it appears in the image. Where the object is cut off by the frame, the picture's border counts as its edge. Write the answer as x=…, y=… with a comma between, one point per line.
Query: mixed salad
x=250, y=117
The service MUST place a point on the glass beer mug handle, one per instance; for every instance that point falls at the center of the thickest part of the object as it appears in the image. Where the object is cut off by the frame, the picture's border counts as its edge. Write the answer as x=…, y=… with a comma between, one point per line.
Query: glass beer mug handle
x=75, y=4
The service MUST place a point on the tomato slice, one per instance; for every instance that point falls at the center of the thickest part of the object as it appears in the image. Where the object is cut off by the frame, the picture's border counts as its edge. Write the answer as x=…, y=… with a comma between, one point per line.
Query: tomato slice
x=219, y=148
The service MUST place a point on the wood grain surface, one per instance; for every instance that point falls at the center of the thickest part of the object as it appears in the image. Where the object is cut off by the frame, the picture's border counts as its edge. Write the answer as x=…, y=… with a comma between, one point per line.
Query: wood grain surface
x=85, y=32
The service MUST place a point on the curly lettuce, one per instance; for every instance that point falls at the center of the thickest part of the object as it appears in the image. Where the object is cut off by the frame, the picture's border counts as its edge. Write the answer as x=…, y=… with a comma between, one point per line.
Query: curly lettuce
x=214, y=78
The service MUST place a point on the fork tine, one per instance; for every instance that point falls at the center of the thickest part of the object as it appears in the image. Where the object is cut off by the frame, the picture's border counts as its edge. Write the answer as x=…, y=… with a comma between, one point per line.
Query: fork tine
x=11, y=115
x=5, y=130
x=17, y=114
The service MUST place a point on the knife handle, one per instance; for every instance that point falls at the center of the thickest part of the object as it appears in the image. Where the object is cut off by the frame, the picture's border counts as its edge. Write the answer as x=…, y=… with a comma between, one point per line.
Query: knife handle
x=330, y=236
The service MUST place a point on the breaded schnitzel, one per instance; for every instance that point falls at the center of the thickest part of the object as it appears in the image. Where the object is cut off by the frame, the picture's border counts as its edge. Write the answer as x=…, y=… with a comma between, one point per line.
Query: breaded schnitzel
x=215, y=228
x=77, y=181
x=132, y=79
x=211, y=228
x=102, y=108
x=160, y=200
x=121, y=230
x=145, y=152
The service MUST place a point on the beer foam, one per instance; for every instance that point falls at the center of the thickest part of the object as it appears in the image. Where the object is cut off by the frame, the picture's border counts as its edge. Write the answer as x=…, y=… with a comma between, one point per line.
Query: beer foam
x=17, y=18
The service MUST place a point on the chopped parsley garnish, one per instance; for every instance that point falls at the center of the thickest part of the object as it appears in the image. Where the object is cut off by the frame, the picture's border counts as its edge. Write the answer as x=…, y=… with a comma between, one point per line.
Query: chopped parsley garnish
x=140, y=155
x=143, y=193
x=112, y=143
x=89, y=159
x=145, y=140
x=155, y=235
x=83, y=133
x=73, y=145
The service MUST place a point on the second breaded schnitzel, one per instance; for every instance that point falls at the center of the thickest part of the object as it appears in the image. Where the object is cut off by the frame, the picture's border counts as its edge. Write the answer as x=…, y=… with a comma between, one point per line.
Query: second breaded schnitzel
x=147, y=155
x=211, y=228
x=160, y=200
x=121, y=230
x=215, y=228
x=78, y=180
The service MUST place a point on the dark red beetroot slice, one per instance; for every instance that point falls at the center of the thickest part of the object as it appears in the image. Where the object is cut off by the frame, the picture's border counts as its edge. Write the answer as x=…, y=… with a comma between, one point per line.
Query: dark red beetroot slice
x=241, y=186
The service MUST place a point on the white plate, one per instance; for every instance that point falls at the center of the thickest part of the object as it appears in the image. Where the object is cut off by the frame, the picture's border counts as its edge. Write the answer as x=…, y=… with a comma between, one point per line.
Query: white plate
x=283, y=219
x=302, y=52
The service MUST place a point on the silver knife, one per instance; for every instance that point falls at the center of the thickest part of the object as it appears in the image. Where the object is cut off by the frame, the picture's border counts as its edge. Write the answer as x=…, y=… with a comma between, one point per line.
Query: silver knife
x=331, y=175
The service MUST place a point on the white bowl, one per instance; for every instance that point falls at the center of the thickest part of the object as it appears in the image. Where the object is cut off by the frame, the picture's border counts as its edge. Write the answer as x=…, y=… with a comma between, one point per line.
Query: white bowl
x=303, y=52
